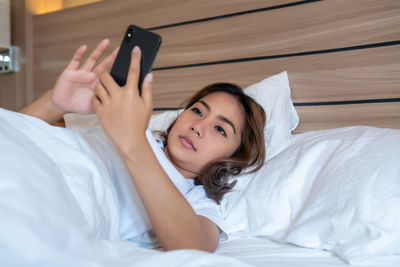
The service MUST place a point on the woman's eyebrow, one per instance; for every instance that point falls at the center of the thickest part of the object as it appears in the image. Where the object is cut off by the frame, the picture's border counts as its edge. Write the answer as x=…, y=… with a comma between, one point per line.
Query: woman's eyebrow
x=220, y=117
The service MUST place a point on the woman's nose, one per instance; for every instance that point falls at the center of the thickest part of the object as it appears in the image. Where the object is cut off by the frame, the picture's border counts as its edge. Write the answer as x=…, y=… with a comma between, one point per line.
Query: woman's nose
x=196, y=129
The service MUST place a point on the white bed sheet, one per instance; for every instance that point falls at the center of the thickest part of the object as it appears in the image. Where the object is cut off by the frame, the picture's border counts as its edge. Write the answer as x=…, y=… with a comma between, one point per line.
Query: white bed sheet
x=259, y=251
x=58, y=206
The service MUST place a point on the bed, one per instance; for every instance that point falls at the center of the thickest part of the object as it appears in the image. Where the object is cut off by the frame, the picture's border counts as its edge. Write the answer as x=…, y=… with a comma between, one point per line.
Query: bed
x=326, y=72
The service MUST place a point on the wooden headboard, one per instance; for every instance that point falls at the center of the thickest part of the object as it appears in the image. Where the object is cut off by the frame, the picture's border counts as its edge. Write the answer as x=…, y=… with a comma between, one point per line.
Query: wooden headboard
x=342, y=56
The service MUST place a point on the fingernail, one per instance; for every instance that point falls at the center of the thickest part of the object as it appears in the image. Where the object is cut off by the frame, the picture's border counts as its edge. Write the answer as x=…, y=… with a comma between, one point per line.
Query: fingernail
x=149, y=77
x=136, y=49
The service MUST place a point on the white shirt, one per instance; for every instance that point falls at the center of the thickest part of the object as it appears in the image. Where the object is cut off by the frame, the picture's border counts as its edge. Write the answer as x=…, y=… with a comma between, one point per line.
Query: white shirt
x=135, y=225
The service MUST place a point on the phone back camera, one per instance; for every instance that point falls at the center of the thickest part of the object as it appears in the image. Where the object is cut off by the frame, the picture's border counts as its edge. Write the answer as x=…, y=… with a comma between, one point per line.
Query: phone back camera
x=129, y=35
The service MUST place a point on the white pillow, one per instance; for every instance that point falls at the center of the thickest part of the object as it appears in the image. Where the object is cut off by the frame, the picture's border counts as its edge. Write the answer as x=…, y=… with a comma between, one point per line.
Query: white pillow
x=337, y=190
x=273, y=94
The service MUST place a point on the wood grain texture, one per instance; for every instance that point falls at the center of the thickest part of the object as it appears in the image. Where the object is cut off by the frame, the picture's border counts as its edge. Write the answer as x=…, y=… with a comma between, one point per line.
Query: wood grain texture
x=92, y=22
x=383, y=115
x=350, y=75
x=149, y=13
x=338, y=23
x=309, y=27
x=59, y=34
x=314, y=26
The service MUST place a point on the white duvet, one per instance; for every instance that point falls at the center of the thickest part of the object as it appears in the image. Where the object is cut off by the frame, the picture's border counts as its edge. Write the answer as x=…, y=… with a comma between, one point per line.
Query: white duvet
x=58, y=206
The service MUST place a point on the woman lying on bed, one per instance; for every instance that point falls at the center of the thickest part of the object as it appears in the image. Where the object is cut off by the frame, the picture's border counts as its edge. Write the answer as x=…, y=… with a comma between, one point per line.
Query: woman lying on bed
x=219, y=134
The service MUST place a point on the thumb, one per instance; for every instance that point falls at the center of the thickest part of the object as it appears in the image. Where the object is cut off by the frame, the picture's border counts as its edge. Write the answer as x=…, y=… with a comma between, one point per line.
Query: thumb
x=147, y=91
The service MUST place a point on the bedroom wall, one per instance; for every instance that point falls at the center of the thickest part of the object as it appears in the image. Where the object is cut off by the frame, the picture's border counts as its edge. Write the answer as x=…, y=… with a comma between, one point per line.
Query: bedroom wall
x=16, y=89
x=342, y=56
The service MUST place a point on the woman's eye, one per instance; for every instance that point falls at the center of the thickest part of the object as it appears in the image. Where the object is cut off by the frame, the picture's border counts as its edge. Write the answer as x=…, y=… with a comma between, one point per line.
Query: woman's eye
x=220, y=130
x=197, y=111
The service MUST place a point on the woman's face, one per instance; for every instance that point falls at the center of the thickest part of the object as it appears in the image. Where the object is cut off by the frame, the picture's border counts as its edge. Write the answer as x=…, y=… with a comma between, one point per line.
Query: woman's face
x=209, y=130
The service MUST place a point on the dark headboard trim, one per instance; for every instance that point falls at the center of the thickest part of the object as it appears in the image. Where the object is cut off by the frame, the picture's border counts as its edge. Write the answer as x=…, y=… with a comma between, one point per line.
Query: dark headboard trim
x=331, y=103
x=349, y=102
x=324, y=51
x=165, y=109
x=232, y=14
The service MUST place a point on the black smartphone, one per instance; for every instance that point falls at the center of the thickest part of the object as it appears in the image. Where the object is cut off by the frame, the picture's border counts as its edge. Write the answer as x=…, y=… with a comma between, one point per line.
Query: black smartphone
x=149, y=44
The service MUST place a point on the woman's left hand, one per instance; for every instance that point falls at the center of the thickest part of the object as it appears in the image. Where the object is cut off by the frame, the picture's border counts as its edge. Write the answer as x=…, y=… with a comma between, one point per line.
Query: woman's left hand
x=122, y=112
x=74, y=88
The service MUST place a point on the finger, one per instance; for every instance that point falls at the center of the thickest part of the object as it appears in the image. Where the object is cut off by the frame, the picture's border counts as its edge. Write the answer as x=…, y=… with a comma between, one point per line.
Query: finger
x=79, y=76
x=101, y=93
x=95, y=55
x=147, y=91
x=109, y=83
x=134, y=70
x=96, y=103
x=76, y=58
x=106, y=64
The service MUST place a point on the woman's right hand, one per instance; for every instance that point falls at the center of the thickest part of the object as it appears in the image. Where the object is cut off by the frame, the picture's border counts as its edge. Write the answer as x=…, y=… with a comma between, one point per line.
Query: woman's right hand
x=73, y=91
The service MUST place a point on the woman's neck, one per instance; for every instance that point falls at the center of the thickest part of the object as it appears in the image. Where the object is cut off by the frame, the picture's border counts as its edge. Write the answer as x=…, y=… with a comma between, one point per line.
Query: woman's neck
x=187, y=174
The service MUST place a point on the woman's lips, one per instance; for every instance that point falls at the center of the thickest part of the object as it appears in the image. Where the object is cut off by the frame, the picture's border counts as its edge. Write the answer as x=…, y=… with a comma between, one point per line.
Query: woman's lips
x=186, y=142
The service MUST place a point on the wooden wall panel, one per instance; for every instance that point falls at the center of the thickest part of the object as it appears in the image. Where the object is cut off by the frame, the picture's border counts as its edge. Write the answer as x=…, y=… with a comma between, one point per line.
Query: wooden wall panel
x=384, y=115
x=92, y=22
x=149, y=13
x=286, y=30
x=58, y=34
x=360, y=74
x=308, y=27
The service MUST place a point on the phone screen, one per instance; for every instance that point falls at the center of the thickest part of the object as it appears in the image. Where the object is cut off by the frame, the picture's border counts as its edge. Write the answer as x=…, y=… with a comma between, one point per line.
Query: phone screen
x=149, y=44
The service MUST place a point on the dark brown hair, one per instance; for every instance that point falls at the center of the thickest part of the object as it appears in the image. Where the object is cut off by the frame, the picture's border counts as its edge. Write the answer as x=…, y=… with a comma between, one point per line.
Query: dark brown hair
x=250, y=153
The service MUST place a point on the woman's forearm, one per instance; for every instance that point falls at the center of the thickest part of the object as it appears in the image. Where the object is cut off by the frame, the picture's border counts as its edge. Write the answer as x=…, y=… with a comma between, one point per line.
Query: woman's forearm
x=44, y=108
x=173, y=219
